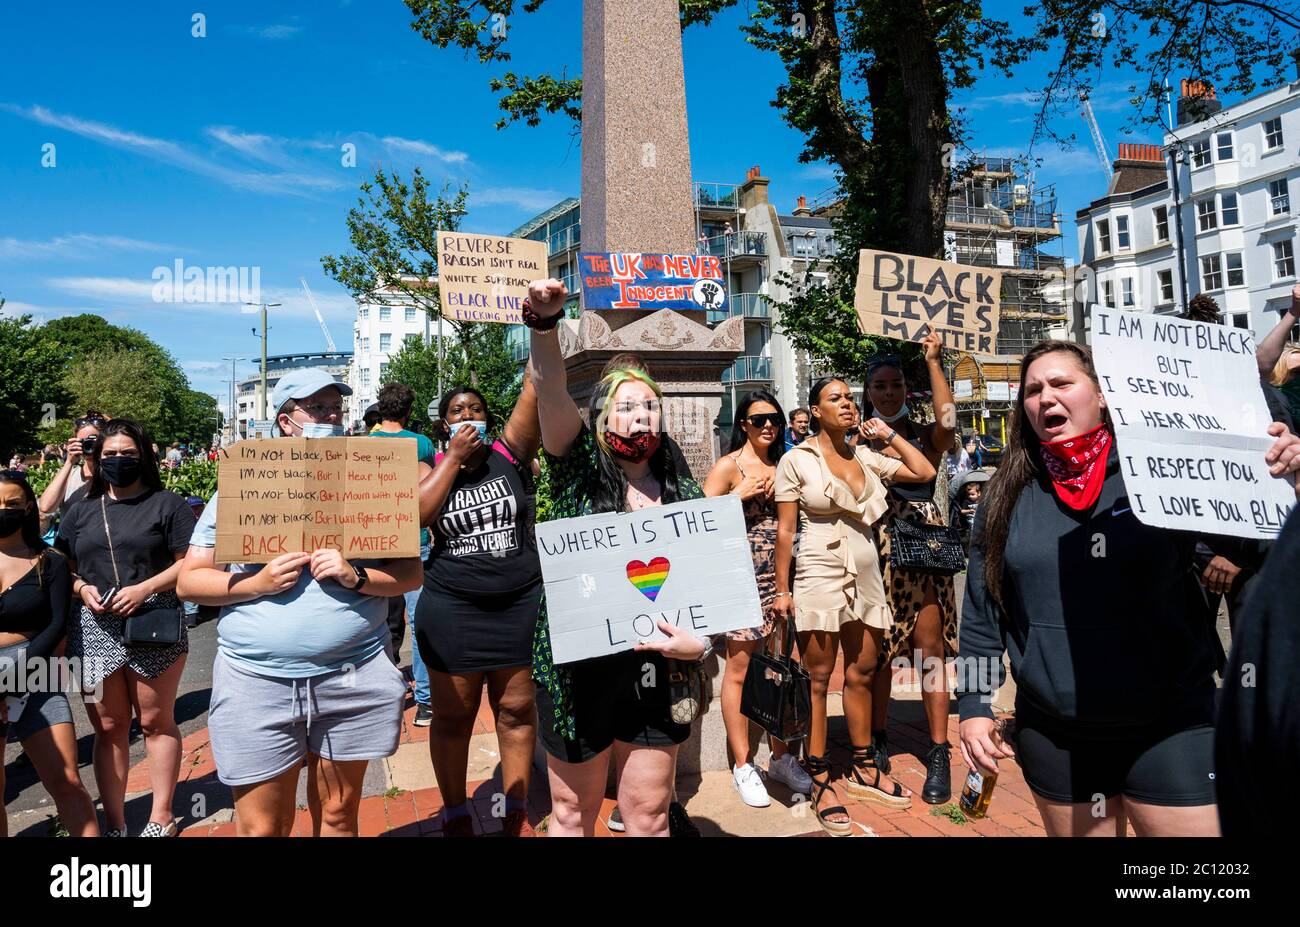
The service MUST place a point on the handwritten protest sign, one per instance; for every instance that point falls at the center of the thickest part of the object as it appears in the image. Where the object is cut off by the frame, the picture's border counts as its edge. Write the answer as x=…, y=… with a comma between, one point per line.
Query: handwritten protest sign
x=609, y=578
x=652, y=281
x=1190, y=424
x=281, y=495
x=484, y=278
x=906, y=297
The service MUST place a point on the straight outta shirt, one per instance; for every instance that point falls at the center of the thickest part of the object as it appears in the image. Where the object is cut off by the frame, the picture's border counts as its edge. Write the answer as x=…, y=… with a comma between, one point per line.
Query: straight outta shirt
x=483, y=541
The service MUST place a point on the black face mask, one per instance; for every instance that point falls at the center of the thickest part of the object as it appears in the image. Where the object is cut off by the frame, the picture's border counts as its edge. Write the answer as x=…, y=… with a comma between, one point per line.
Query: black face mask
x=120, y=471
x=11, y=520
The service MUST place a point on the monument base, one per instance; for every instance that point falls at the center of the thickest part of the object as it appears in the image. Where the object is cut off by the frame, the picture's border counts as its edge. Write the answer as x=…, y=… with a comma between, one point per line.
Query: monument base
x=686, y=358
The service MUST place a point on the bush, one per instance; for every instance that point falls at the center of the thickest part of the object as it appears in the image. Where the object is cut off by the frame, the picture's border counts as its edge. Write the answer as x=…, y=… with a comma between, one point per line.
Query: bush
x=40, y=477
x=192, y=478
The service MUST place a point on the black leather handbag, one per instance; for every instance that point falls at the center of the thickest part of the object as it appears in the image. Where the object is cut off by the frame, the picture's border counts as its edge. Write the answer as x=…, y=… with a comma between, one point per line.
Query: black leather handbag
x=777, y=694
x=159, y=621
x=926, y=548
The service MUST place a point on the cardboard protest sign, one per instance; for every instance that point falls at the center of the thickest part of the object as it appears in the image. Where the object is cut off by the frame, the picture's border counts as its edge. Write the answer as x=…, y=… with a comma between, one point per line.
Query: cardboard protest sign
x=484, y=278
x=1190, y=424
x=281, y=495
x=906, y=297
x=610, y=578
x=652, y=281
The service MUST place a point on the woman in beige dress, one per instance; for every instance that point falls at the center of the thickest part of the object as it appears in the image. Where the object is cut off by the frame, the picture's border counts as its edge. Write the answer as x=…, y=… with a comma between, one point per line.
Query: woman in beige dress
x=833, y=492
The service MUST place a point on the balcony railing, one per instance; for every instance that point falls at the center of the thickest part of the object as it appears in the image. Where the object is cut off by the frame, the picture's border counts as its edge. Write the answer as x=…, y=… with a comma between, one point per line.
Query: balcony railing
x=750, y=305
x=569, y=239
x=737, y=244
x=717, y=196
x=749, y=369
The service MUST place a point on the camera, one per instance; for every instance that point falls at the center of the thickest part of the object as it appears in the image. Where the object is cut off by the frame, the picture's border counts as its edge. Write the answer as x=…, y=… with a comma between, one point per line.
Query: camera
x=88, y=445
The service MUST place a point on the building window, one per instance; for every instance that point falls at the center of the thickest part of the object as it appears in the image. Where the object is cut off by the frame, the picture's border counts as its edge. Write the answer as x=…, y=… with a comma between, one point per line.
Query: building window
x=365, y=376
x=1225, y=146
x=1108, y=294
x=383, y=372
x=1273, y=133
x=1236, y=272
x=1161, y=214
x=1206, y=218
x=1166, y=278
x=1278, y=196
x=1211, y=273
x=413, y=341
x=1103, y=236
x=410, y=314
x=385, y=314
x=1283, y=260
x=365, y=345
x=365, y=312
x=1126, y=291
x=1228, y=208
x=1200, y=152
x=1241, y=320
x=385, y=343
x=1121, y=232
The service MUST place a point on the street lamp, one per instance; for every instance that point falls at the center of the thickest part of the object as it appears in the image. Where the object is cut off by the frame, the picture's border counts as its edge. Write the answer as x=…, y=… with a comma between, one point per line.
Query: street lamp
x=261, y=401
x=232, y=420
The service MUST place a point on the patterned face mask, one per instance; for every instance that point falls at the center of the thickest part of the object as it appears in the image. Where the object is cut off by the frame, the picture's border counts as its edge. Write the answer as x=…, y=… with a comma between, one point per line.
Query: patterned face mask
x=635, y=448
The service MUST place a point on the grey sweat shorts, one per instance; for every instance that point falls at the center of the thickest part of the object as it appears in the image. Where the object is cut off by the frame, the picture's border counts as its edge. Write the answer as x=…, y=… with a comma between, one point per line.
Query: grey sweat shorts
x=43, y=709
x=262, y=726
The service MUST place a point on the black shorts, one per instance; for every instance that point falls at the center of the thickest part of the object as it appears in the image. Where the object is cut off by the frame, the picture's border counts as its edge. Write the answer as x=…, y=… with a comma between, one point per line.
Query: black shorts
x=611, y=703
x=1168, y=762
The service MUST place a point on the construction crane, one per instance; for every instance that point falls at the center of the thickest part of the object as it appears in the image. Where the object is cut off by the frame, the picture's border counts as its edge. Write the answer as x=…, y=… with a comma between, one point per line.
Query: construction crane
x=1097, y=141
x=329, y=340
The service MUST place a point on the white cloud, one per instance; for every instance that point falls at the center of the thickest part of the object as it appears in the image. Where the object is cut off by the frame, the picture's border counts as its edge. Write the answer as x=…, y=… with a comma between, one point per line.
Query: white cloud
x=985, y=101
x=113, y=289
x=818, y=172
x=416, y=146
x=523, y=197
x=275, y=32
x=74, y=246
x=172, y=153
x=203, y=366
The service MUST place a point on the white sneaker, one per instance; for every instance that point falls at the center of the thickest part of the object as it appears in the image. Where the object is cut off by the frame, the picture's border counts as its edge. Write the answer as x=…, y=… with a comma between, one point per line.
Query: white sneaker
x=786, y=770
x=750, y=786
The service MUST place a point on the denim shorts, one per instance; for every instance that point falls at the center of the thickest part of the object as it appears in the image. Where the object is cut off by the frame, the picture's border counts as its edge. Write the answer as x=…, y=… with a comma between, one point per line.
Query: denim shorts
x=43, y=709
x=263, y=726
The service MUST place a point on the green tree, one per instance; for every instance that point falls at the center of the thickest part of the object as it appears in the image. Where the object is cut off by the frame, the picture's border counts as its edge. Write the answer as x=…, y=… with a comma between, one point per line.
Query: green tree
x=123, y=383
x=393, y=232
x=30, y=384
x=868, y=84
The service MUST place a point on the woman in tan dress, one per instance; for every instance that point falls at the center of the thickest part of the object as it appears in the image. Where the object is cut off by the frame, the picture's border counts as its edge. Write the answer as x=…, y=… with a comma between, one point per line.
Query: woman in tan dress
x=833, y=492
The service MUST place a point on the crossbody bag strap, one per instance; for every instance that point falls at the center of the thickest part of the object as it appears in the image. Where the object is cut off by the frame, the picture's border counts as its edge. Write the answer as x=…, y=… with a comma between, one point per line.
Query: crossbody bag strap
x=103, y=510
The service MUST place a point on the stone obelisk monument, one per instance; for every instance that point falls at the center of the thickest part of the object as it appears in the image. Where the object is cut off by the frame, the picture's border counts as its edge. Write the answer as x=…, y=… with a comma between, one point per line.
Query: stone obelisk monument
x=637, y=197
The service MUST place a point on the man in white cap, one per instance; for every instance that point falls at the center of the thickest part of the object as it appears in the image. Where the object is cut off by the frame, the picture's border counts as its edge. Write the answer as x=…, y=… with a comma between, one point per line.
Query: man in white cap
x=300, y=676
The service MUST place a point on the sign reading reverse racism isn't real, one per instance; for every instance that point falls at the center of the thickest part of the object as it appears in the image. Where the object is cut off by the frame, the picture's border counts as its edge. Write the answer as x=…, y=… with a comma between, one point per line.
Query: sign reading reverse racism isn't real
x=282, y=495
x=906, y=297
x=610, y=578
x=1190, y=424
x=484, y=278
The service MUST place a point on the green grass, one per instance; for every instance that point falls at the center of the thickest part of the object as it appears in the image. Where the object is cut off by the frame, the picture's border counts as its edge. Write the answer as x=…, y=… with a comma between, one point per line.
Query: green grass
x=950, y=811
x=56, y=828
x=394, y=792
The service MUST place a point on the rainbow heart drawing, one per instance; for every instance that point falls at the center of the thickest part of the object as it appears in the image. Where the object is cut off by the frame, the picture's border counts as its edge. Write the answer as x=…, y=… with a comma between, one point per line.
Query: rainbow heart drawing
x=650, y=577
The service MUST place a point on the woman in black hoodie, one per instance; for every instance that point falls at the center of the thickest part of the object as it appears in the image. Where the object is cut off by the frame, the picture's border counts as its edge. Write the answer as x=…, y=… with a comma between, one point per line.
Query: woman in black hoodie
x=1113, y=664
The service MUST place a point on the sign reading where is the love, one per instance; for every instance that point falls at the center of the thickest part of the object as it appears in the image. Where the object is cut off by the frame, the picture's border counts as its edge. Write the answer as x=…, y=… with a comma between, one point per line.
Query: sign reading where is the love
x=611, y=578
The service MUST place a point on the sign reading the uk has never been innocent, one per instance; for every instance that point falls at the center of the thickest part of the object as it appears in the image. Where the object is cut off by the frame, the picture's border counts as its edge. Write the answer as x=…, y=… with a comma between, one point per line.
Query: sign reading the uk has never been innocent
x=652, y=281
x=283, y=495
x=610, y=578
x=1191, y=424
x=907, y=297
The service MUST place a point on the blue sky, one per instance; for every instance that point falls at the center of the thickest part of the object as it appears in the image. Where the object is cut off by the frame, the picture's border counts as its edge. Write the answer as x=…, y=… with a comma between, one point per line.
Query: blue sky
x=226, y=150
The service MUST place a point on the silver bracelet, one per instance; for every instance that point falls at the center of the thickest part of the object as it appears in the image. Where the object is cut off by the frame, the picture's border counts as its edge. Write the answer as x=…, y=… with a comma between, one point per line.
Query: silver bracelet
x=709, y=647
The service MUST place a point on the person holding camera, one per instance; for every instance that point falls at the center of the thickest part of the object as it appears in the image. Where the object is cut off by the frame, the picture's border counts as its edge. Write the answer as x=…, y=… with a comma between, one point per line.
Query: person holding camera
x=125, y=538
x=77, y=465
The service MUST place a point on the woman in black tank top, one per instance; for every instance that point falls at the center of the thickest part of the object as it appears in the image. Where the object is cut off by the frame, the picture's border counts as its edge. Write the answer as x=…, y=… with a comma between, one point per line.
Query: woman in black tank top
x=924, y=605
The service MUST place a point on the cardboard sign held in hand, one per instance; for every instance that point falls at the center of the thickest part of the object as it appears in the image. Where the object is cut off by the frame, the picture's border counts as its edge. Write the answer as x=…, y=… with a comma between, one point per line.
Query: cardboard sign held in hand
x=906, y=297
x=484, y=278
x=282, y=495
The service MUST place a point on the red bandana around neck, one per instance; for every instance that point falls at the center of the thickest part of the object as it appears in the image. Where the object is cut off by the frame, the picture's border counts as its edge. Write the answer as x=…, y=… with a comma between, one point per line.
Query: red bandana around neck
x=1078, y=466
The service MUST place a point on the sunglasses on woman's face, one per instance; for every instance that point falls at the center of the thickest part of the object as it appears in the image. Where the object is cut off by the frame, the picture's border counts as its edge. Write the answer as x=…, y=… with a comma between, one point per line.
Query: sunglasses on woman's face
x=762, y=421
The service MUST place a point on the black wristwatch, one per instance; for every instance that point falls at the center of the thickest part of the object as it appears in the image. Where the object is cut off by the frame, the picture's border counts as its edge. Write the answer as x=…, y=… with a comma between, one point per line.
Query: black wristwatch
x=362, y=576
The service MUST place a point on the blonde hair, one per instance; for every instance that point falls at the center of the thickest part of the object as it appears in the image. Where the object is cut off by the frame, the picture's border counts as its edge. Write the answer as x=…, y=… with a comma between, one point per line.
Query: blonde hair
x=607, y=387
x=1282, y=372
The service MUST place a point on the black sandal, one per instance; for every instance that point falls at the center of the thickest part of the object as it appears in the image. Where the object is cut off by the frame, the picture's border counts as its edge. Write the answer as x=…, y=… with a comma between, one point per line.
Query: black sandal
x=880, y=740
x=866, y=758
x=820, y=766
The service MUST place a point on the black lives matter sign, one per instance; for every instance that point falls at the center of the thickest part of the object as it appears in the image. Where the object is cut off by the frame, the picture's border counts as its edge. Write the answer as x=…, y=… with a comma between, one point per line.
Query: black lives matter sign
x=907, y=297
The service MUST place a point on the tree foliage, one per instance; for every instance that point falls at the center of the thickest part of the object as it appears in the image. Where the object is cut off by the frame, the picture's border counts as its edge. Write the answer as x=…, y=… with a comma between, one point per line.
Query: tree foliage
x=30, y=383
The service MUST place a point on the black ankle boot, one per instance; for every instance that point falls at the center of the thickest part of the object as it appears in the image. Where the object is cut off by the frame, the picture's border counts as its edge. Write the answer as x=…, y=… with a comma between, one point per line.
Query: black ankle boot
x=938, y=777
x=880, y=740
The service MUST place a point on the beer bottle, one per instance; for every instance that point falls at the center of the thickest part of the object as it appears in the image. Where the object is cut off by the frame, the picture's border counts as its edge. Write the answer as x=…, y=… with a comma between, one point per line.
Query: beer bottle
x=978, y=792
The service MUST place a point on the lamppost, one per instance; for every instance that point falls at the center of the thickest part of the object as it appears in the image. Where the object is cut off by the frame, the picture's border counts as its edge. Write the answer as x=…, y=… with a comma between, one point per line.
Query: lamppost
x=232, y=419
x=261, y=400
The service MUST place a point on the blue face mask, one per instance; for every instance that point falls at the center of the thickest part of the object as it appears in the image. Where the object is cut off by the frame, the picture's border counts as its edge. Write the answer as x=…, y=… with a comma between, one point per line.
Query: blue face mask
x=480, y=427
x=321, y=430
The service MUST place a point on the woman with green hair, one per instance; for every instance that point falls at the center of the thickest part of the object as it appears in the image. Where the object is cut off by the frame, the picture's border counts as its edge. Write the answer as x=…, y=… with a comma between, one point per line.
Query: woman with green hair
x=593, y=710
